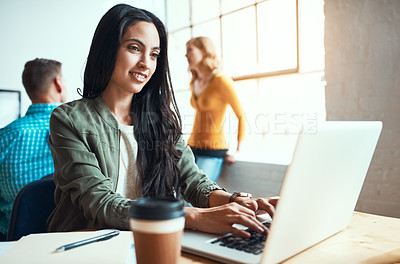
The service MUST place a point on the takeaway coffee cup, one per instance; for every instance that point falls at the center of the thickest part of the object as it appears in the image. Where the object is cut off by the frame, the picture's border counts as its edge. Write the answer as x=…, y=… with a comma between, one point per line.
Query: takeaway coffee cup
x=157, y=225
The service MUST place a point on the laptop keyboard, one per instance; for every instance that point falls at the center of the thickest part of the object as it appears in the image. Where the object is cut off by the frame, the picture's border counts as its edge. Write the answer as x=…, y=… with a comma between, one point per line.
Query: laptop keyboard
x=254, y=244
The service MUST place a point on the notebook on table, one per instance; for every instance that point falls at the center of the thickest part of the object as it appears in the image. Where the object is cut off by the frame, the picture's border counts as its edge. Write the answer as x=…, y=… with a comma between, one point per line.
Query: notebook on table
x=318, y=195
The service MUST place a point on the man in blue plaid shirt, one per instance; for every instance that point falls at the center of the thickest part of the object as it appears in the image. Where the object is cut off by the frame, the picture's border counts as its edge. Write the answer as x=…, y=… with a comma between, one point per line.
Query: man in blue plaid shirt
x=24, y=151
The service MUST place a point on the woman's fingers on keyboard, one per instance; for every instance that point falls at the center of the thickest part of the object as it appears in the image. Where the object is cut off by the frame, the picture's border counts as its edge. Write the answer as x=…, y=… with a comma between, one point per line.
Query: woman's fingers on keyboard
x=220, y=219
x=250, y=222
x=247, y=217
x=267, y=204
x=240, y=232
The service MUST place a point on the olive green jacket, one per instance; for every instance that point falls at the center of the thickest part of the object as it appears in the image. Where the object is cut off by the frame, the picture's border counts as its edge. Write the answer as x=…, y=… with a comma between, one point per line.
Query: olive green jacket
x=84, y=141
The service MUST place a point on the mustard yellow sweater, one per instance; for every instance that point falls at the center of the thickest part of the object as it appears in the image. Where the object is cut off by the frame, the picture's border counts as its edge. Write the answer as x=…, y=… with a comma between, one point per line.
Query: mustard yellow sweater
x=210, y=108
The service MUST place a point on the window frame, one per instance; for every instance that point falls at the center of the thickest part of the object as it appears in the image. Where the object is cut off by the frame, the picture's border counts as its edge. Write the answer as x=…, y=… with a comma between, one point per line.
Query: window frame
x=256, y=75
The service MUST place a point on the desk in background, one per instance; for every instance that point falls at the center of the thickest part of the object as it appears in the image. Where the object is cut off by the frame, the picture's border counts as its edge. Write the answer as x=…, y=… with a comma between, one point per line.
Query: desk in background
x=369, y=239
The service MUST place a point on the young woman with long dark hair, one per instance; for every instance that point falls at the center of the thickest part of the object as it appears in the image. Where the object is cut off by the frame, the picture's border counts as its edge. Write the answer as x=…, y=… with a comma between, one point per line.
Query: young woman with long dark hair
x=123, y=139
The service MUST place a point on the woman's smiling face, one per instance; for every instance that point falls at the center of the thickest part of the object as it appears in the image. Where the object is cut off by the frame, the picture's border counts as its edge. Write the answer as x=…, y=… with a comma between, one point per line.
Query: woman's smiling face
x=136, y=58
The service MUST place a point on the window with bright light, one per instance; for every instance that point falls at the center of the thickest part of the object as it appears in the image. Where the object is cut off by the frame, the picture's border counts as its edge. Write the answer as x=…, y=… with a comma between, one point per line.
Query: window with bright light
x=254, y=38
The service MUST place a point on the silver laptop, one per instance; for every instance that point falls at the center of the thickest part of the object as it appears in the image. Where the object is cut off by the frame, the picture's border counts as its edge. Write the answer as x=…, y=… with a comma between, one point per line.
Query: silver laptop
x=318, y=195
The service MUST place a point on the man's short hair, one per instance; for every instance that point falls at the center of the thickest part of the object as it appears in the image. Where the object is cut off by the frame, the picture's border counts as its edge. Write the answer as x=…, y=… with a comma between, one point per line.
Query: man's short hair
x=38, y=75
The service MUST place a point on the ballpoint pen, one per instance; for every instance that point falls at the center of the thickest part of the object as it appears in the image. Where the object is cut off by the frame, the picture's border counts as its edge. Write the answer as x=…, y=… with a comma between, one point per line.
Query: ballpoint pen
x=88, y=241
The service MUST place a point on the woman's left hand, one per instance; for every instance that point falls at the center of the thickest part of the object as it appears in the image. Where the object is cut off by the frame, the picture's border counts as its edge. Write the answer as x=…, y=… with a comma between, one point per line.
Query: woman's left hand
x=229, y=158
x=259, y=205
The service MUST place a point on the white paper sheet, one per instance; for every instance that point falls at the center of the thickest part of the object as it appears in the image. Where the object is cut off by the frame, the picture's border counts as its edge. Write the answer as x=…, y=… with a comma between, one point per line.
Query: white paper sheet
x=40, y=249
x=4, y=247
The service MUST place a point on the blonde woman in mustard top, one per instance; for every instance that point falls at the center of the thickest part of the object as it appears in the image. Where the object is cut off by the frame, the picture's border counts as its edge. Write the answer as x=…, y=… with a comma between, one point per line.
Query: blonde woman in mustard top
x=212, y=92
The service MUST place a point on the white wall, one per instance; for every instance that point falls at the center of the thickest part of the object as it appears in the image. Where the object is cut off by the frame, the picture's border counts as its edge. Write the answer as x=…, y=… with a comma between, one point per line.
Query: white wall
x=362, y=43
x=52, y=29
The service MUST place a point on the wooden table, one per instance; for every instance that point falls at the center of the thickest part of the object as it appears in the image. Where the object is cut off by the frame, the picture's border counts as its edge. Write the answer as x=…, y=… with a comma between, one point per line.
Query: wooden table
x=369, y=239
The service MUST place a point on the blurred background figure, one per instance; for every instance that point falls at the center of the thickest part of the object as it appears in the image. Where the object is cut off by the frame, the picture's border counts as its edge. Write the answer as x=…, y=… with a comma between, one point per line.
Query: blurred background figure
x=212, y=92
x=24, y=149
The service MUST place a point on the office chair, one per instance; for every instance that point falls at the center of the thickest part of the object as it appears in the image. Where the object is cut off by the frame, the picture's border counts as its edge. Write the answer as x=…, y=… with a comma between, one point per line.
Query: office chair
x=31, y=208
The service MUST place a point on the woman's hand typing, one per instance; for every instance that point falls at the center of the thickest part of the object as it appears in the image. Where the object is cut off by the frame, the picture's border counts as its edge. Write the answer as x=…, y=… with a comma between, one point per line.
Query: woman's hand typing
x=220, y=219
x=259, y=205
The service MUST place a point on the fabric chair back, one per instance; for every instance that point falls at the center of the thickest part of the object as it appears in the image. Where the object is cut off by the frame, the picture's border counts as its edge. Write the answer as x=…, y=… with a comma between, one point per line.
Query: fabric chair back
x=32, y=206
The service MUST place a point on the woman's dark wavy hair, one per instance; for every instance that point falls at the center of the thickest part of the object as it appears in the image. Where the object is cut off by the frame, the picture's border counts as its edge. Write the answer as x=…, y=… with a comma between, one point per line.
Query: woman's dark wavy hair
x=155, y=115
